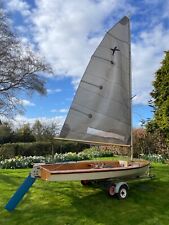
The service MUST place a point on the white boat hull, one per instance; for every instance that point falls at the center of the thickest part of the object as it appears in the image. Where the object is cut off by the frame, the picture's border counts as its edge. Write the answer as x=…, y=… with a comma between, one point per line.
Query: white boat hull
x=134, y=170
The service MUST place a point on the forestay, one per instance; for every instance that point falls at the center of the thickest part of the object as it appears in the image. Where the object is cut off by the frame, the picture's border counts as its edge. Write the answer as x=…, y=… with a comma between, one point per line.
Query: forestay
x=101, y=109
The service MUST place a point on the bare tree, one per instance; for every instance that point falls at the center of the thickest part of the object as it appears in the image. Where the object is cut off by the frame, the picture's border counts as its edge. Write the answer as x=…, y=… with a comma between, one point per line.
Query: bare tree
x=46, y=131
x=37, y=130
x=19, y=69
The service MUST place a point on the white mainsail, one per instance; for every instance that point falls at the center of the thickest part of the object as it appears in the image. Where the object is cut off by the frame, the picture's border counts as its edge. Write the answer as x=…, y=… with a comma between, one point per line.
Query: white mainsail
x=101, y=109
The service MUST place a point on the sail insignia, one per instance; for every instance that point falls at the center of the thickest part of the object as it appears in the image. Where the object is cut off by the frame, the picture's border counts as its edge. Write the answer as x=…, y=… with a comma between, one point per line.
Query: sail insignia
x=114, y=50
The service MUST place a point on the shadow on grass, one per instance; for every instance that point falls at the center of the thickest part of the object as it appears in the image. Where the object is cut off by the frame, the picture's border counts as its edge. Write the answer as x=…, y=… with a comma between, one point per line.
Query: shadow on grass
x=6, y=179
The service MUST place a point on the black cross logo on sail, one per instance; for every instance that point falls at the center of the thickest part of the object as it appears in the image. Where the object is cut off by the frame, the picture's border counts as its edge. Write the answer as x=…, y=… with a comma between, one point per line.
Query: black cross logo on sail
x=114, y=50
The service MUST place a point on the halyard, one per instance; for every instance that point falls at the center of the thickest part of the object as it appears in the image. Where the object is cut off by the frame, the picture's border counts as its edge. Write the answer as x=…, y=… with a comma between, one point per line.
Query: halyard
x=69, y=203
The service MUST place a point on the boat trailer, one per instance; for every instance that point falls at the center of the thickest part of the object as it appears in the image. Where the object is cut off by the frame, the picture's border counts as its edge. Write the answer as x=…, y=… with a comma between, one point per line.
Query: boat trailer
x=118, y=188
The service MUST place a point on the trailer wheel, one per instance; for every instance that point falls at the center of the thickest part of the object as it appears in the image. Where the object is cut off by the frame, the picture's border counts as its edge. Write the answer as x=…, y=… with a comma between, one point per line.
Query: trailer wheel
x=111, y=190
x=85, y=182
x=123, y=192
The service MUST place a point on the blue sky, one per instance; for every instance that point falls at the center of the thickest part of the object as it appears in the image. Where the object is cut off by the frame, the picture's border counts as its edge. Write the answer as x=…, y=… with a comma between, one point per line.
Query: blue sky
x=66, y=34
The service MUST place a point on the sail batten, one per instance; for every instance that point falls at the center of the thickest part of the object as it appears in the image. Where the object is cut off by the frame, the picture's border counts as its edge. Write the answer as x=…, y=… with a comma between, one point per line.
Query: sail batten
x=89, y=115
x=101, y=109
x=117, y=38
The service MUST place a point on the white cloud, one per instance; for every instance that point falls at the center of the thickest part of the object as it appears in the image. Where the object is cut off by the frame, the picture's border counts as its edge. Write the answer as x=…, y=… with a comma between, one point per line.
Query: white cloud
x=25, y=102
x=19, y=5
x=19, y=120
x=75, y=82
x=147, y=53
x=67, y=32
x=53, y=91
x=62, y=30
x=22, y=102
x=141, y=99
x=59, y=110
x=63, y=110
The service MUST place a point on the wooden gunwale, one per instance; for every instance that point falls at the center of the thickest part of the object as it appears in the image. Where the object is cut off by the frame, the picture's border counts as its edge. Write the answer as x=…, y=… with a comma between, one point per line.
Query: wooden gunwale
x=92, y=170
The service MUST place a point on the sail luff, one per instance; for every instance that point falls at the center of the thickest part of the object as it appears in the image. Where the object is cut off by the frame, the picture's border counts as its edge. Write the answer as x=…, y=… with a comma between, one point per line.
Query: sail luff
x=100, y=111
x=130, y=74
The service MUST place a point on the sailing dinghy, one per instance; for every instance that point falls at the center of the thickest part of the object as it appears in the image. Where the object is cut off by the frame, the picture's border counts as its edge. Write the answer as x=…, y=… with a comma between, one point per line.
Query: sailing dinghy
x=101, y=111
x=100, y=114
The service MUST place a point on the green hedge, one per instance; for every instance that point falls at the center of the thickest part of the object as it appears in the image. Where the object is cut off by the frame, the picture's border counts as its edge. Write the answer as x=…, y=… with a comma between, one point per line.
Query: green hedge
x=11, y=150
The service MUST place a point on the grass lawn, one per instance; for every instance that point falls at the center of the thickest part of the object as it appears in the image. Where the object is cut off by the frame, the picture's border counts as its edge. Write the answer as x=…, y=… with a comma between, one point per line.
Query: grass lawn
x=69, y=203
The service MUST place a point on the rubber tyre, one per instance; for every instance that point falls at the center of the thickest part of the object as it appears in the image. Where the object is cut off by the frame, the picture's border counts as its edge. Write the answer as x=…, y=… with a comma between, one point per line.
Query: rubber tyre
x=85, y=182
x=123, y=192
x=111, y=190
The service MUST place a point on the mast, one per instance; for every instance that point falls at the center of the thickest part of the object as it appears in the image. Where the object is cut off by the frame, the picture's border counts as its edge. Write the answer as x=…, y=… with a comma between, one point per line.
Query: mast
x=130, y=88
